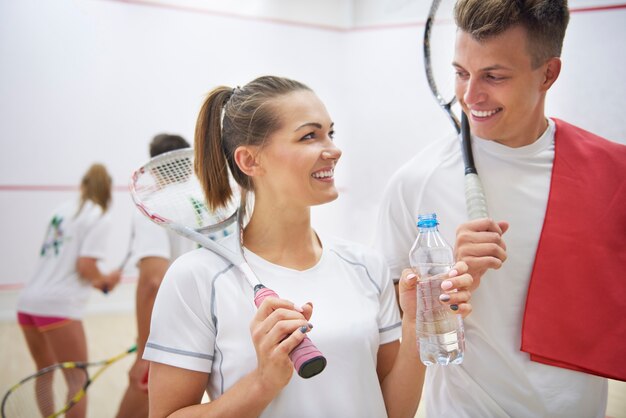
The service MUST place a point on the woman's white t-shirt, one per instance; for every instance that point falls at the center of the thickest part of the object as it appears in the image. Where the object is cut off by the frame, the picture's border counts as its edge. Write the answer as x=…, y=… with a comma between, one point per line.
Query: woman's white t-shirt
x=204, y=307
x=56, y=289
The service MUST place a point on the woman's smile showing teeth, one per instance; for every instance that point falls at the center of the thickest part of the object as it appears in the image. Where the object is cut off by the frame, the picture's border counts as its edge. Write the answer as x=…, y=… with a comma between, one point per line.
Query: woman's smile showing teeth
x=326, y=174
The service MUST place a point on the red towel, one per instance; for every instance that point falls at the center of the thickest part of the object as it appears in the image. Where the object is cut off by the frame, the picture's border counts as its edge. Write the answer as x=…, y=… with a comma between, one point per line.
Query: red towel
x=576, y=305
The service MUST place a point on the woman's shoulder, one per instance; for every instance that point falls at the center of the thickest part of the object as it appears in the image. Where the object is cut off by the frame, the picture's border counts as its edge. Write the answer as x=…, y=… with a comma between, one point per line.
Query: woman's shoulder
x=192, y=274
x=200, y=259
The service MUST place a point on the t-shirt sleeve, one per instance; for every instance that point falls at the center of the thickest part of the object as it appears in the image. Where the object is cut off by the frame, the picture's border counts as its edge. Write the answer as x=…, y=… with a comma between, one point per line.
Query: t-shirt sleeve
x=182, y=330
x=389, y=321
x=149, y=239
x=396, y=229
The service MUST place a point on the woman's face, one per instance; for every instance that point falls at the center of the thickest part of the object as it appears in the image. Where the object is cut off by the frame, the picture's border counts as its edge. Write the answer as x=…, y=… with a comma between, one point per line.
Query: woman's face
x=298, y=160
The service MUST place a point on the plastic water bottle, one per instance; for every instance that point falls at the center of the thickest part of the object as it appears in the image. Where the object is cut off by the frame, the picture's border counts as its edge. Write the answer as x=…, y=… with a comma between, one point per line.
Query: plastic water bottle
x=440, y=331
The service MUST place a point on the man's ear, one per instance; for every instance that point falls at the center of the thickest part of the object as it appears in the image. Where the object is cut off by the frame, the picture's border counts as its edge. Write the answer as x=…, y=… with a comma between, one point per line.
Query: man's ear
x=246, y=158
x=551, y=72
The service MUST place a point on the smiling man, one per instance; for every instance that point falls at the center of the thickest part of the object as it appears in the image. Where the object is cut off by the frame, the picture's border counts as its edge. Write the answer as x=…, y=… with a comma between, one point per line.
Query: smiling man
x=541, y=339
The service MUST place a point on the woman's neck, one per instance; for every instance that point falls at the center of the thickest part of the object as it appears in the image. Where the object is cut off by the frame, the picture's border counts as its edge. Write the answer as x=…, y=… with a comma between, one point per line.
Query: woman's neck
x=285, y=238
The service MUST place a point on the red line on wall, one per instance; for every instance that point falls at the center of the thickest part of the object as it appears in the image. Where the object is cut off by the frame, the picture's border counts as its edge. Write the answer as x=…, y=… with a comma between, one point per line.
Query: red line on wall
x=325, y=27
x=232, y=15
x=48, y=188
x=5, y=287
x=10, y=286
x=597, y=8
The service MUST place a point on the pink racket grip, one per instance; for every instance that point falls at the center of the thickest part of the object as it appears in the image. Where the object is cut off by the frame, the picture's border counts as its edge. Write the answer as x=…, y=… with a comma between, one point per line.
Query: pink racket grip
x=306, y=358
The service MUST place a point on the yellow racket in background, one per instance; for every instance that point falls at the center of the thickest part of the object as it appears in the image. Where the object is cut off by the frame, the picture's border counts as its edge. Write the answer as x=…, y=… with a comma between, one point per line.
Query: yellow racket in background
x=53, y=390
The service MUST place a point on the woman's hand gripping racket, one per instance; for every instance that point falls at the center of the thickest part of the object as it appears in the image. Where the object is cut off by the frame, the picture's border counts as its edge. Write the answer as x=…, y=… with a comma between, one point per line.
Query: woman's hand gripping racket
x=52, y=391
x=475, y=200
x=167, y=191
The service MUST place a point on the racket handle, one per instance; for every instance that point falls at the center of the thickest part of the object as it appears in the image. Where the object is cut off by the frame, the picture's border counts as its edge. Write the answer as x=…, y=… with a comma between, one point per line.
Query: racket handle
x=475, y=197
x=306, y=358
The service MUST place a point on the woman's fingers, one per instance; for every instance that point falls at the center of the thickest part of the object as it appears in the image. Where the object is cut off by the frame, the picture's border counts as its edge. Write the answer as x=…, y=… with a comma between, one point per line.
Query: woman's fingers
x=276, y=320
x=407, y=292
x=270, y=304
x=463, y=309
x=455, y=298
x=287, y=344
x=408, y=280
x=307, y=310
x=283, y=328
x=458, y=278
x=456, y=289
x=277, y=328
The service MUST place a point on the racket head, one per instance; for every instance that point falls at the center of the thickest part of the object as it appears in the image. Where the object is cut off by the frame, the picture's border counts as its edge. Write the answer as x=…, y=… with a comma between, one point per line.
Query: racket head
x=167, y=191
x=49, y=392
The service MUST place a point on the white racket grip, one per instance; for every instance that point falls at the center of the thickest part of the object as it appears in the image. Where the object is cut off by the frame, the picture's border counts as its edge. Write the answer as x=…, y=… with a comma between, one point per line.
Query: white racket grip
x=475, y=197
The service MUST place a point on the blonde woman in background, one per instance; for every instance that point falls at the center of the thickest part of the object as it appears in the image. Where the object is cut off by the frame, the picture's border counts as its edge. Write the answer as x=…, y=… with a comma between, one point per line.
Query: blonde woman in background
x=51, y=305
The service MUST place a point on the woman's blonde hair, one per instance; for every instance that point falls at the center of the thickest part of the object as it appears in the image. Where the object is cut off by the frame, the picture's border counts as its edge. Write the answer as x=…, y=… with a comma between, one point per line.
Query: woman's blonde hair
x=96, y=186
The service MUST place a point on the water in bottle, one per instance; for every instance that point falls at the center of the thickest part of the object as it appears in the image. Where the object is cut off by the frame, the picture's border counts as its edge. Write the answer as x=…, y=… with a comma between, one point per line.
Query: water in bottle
x=439, y=330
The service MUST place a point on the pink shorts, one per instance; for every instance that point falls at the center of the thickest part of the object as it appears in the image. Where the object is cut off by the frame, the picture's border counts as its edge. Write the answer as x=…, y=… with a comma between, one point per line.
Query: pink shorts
x=42, y=323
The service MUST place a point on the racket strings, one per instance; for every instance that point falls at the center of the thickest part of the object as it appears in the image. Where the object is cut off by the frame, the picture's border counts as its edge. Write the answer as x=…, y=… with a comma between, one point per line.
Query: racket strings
x=44, y=395
x=168, y=187
x=173, y=171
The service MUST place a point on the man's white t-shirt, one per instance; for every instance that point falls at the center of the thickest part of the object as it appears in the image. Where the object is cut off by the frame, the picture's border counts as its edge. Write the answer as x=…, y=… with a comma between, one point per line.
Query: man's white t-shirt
x=204, y=308
x=496, y=379
x=152, y=240
x=56, y=289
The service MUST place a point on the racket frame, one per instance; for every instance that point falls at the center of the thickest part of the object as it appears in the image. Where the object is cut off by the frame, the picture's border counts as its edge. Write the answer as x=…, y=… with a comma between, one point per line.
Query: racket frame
x=475, y=201
x=75, y=398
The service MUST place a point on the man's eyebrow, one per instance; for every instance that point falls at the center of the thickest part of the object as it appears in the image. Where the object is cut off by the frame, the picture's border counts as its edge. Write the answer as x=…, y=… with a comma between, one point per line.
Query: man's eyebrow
x=490, y=68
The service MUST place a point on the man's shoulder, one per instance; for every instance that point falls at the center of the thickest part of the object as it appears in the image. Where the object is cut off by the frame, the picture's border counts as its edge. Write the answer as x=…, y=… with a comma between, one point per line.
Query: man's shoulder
x=566, y=130
x=428, y=160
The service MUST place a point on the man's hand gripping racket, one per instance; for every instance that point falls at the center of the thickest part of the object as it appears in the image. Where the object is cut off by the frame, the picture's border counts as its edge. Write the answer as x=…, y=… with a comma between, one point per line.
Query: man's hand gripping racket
x=474, y=195
x=167, y=191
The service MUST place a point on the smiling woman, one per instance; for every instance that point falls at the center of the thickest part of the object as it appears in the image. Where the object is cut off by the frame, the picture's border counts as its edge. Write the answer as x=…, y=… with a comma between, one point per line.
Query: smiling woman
x=275, y=137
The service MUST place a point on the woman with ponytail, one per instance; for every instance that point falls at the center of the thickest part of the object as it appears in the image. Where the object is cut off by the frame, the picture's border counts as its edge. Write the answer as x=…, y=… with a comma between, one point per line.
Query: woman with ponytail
x=51, y=305
x=275, y=137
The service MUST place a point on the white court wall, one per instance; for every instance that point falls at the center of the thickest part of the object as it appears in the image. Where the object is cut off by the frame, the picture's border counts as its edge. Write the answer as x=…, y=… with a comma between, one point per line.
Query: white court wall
x=94, y=80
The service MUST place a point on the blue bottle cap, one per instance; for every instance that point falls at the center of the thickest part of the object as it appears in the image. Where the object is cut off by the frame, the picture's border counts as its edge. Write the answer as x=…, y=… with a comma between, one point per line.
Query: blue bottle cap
x=428, y=220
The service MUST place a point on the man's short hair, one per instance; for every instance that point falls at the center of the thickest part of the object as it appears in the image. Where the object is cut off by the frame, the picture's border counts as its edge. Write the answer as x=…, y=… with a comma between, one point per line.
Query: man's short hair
x=166, y=142
x=545, y=22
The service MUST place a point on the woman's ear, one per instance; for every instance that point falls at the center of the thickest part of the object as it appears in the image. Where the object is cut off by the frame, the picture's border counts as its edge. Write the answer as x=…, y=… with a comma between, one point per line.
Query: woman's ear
x=246, y=158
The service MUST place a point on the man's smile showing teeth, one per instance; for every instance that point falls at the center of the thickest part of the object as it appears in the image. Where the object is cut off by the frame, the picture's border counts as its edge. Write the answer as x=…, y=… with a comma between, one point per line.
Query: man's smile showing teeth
x=484, y=113
x=324, y=174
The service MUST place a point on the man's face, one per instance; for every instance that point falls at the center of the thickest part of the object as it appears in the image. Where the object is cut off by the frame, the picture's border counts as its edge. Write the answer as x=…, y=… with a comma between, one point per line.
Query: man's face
x=502, y=95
